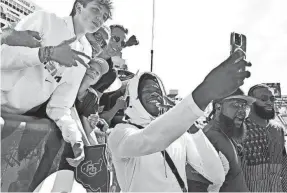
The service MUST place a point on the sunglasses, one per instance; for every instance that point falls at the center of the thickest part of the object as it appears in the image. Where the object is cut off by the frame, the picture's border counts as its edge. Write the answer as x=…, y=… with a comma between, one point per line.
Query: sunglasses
x=239, y=105
x=118, y=39
x=265, y=98
x=101, y=41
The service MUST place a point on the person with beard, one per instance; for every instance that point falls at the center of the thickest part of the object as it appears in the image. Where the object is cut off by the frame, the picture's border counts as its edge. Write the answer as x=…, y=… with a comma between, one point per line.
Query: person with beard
x=262, y=157
x=150, y=149
x=226, y=126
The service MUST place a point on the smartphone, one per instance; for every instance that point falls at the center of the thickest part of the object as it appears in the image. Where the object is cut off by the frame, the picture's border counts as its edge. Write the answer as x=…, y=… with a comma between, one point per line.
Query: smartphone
x=237, y=41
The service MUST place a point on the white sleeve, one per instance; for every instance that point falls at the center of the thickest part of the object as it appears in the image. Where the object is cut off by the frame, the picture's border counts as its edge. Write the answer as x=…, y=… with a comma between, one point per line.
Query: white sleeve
x=58, y=108
x=19, y=57
x=203, y=157
x=127, y=141
x=225, y=163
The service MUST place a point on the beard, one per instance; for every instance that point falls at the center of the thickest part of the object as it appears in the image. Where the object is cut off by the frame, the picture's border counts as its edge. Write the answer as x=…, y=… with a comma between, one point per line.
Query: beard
x=263, y=113
x=229, y=127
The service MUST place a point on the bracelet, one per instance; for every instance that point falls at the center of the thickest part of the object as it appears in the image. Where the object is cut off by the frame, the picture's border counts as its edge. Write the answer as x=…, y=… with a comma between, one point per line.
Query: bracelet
x=50, y=50
x=45, y=54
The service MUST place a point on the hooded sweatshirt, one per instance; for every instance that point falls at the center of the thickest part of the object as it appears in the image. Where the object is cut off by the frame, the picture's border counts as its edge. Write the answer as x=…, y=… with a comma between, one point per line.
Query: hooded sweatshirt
x=136, y=153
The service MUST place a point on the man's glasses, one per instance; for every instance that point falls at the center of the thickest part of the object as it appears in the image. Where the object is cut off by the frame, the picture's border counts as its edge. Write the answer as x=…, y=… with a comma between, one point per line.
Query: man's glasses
x=240, y=105
x=265, y=98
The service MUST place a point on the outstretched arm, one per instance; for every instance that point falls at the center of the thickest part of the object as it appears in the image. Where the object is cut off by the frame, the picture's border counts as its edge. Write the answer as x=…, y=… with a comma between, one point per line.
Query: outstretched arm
x=127, y=141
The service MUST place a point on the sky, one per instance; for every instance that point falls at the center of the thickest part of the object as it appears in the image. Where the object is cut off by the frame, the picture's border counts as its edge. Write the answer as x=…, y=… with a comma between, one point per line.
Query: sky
x=192, y=37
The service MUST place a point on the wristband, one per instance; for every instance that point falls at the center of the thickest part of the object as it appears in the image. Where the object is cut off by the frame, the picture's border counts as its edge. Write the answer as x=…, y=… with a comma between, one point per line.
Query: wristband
x=45, y=54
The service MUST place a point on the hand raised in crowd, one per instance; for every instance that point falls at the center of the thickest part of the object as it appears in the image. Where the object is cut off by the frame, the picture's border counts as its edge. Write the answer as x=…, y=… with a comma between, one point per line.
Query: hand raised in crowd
x=65, y=55
x=132, y=41
x=222, y=80
x=121, y=103
x=27, y=38
x=102, y=132
x=78, y=149
x=95, y=120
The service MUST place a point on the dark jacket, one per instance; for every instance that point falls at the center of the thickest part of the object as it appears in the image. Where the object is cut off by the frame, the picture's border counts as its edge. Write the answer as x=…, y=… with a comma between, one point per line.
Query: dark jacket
x=234, y=180
x=89, y=105
x=107, y=79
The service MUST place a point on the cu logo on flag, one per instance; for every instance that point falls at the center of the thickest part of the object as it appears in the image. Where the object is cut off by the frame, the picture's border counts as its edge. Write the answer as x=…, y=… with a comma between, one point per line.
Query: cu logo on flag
x=91, y=169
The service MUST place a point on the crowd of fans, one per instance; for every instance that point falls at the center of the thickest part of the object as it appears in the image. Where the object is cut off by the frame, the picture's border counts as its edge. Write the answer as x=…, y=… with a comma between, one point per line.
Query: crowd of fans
x=50, y=65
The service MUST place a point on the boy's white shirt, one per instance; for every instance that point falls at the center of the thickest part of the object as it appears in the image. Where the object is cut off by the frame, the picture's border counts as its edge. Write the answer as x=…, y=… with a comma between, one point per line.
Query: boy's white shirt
x=27, y=84
x=140, y=166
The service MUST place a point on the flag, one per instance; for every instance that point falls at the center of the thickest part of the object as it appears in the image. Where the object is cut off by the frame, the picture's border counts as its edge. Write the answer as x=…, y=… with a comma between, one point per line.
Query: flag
x=93, y=172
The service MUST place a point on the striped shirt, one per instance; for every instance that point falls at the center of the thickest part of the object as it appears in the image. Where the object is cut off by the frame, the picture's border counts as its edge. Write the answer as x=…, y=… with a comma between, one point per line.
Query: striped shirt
x=262, y=157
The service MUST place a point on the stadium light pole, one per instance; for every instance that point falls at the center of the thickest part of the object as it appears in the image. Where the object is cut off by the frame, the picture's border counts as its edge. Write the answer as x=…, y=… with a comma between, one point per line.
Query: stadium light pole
x=152, y=38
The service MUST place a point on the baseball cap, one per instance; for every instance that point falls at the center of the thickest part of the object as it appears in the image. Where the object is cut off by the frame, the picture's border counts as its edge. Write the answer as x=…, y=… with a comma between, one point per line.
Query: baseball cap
x=248, y=99
x=103, y=64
